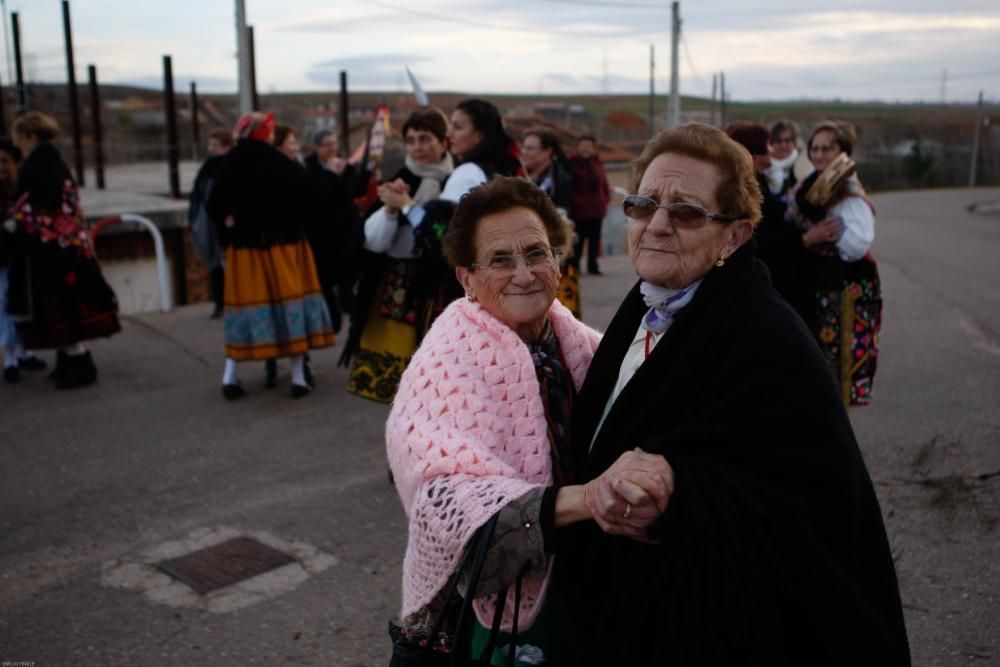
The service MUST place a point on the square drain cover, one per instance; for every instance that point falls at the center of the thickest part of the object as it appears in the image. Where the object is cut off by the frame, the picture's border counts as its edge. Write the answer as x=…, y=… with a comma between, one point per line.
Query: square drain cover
x=224, y=564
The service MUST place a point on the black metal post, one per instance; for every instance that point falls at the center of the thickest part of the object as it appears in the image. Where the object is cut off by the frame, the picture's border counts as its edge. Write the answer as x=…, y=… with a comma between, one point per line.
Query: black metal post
x=20, y=91
x=253, y=69
x=170, y=110
x=345, y=132
x=195, y=134
x=74, y=102
x=96, y=129
x=3, y=116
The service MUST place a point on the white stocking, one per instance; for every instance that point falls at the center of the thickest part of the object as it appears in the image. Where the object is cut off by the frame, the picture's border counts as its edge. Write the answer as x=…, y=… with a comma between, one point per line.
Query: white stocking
x=229, y=374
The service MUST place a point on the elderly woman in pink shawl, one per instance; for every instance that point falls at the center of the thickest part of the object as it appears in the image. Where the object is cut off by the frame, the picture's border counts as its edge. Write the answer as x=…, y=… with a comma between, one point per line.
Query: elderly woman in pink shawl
x=479, y=427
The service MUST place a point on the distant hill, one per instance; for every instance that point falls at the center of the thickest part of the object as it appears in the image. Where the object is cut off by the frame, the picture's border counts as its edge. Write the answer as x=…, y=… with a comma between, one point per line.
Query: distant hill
x=900, y=145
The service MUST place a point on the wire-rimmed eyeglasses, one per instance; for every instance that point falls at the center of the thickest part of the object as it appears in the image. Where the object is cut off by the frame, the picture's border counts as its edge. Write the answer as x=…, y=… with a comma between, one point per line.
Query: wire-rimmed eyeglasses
x=507, y=263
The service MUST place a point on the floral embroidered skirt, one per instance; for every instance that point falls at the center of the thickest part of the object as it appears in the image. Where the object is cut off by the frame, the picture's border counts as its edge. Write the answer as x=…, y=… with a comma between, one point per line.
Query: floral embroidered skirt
x=569, y=290
x=388, y=341
x=848, y=321
x=274, y=304
x=58, y=297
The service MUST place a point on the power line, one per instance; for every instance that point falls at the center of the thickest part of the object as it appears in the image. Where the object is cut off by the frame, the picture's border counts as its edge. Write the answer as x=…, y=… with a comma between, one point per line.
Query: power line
x=615, y=5
x=690, y=60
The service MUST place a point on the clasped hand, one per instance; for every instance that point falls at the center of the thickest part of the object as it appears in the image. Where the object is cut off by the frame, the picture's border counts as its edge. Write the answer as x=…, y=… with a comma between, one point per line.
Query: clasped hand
x=630, y=495
x=394, y=195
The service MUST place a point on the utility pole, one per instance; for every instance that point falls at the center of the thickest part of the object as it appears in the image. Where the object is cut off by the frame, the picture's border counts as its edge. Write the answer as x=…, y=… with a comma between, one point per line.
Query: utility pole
x=652, y=91
x=254, y=100
x=243, y=59
x=715, y=92
x=675, y=38
x=3, y=116
x=722, y=99
x=20, y=91
x=944, y=86
x=74, y=102
x=6, y=41
x=975, y=142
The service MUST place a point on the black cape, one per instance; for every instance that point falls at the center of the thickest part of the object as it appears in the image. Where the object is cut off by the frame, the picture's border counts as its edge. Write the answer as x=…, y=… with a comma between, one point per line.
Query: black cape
x=772, y=550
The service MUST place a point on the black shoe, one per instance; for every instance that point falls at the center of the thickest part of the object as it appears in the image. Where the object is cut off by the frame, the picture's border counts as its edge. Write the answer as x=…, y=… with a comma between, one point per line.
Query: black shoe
x=231, y=392
x=596, y=272
x=60, y=368
x=31, y=363
x=298, y=391
x=307, y=372
x=11, y=374
x=271, y=373
x=80, y=371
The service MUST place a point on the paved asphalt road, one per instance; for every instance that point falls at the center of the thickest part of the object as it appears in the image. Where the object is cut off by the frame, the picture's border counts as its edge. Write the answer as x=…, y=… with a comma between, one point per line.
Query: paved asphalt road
x=94, y=478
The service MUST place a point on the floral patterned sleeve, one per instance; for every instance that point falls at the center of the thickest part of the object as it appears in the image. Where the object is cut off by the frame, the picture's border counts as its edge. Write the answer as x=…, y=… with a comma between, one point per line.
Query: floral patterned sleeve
x=518, y=545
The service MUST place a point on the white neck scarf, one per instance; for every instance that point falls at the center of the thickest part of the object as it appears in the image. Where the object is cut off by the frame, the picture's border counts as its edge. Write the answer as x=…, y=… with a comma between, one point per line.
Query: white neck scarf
x=664, y=303
x=779, y=169
x=432, y=175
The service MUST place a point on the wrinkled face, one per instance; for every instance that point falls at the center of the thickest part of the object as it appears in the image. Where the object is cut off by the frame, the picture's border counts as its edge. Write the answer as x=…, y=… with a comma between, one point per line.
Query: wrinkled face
x=674, y=258
x=8, y=168
x=327, y=148
x=522, y=297
x=290, y=147
x=463, y=135
x=823, y=149
x=534, y=157
x=423, y=146
x=585, y=148
x=782, y=145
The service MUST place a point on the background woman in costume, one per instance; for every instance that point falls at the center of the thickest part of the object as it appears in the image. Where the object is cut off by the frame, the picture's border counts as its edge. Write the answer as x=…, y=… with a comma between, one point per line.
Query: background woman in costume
x=837, y=222
x=203, y=229
x=15, y=357
x=772, y=548
x=383, y=333
x=545, y=164
x=482, y=149
x=784, y=147
x=274, y=305
x=480, y=423
x=56, y=292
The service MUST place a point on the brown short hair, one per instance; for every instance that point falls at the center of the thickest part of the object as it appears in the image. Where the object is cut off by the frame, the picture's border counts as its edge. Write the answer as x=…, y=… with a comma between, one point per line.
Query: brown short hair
x=222, y=135
x=546, y=137
x=496, y=196
x=738, y=193
x=430, y=119
x=843, y=134
x=281, y=133
x=42, y=125
x=785, y=125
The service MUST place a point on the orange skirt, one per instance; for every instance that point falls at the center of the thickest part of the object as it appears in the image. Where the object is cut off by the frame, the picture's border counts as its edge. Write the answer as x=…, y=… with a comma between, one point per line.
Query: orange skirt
x=274, y=304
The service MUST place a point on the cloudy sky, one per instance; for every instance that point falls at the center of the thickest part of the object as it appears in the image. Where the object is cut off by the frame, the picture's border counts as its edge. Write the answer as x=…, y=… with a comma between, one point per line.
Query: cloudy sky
x=770, y=49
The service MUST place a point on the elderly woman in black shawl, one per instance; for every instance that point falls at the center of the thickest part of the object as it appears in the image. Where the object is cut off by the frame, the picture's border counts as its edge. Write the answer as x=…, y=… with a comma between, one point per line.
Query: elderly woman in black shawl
x=56, y=293
x=771, y=549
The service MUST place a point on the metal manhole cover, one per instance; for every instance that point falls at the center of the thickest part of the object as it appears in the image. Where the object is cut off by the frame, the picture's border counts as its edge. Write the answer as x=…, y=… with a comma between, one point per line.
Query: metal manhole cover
x=224, y=564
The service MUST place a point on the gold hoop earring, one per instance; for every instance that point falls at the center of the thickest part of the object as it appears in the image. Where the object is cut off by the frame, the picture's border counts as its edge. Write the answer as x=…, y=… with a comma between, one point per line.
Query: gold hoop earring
x=720, y=262
x=471, y=298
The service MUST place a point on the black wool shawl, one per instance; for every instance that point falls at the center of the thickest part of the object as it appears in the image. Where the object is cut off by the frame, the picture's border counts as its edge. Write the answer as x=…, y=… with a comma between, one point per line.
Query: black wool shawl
x=772, y=550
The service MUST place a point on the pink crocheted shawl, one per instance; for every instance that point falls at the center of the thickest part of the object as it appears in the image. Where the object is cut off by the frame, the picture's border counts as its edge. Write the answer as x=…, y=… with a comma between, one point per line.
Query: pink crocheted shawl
x=466, y=435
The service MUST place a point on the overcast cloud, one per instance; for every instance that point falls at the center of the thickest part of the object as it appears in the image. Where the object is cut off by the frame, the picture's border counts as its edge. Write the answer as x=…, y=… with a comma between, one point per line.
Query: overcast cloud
x=772, y=49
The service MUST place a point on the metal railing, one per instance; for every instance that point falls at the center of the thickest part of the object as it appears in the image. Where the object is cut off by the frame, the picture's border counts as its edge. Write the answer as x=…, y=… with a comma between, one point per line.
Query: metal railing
x=162, y=275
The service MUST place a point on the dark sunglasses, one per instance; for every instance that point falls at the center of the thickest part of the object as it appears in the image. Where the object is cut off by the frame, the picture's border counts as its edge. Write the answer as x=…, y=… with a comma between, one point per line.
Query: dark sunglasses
x=680, y=214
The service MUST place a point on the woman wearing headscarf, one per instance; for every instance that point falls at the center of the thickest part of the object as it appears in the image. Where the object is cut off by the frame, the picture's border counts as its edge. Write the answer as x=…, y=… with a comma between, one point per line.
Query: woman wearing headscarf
x=837, y=222
x=56, y=293
x=383, y=334
x=479, y=428
x=771, y=550
x=274, y=304
x=482, y=150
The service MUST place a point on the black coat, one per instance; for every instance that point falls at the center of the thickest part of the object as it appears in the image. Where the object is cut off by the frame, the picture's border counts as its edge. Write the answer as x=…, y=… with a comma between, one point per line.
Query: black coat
x=267, y=194
x=779, y=246
x=337, y=234
x=772, y=550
